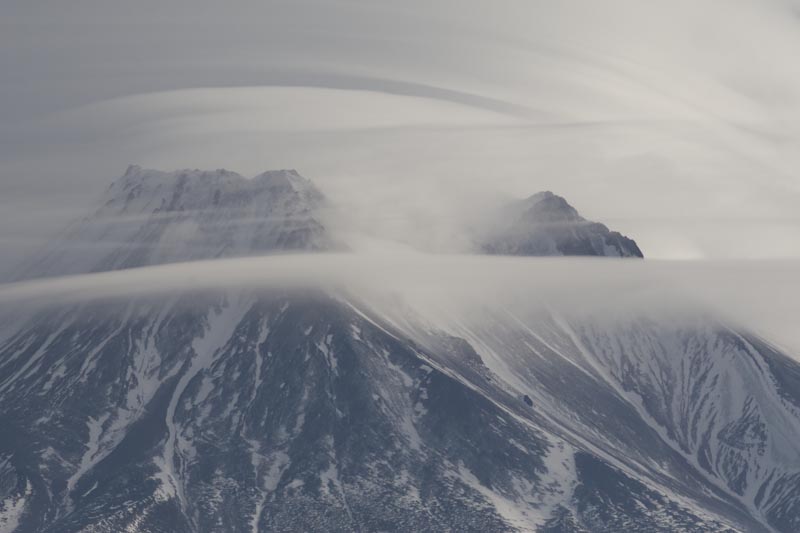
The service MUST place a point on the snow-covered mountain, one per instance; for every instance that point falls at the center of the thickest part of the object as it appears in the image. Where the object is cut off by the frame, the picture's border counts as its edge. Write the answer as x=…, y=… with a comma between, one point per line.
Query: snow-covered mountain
x=149, y=217
x=314, y=410
x=545, y=224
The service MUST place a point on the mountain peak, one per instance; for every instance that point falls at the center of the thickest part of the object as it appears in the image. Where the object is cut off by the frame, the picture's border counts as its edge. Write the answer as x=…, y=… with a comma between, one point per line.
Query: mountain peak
x=541, y=195
x=547, y=207
x=132, y=170
x=546, y=224
x=288, y=180
x=151, y=217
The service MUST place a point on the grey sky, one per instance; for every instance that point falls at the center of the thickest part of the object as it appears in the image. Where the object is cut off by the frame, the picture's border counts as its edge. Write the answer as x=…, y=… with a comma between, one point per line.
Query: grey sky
x=674, y=122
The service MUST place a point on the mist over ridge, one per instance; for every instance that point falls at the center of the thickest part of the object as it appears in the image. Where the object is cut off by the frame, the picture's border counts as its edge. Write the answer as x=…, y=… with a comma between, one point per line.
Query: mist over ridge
x=327, y=265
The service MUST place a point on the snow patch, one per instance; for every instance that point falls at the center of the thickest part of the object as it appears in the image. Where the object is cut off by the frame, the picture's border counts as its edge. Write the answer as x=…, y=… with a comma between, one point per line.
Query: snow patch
x=325, y=348
x=12, y=508
x=92, y=454
x=220, y=326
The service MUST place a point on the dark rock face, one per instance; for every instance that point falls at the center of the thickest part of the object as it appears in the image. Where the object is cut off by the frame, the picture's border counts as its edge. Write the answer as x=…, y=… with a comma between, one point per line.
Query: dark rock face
x=299, y=411
x=300, y=416
x=307, y=411
x=545, y=224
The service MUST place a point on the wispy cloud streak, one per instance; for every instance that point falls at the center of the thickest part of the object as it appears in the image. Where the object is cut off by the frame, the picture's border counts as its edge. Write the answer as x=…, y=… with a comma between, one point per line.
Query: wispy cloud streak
x=763, y=296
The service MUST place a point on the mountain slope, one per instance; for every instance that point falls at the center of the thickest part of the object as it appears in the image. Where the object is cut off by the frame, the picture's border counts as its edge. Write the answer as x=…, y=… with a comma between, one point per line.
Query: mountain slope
x=286, y=410
x=688, y=398
x=301, y=411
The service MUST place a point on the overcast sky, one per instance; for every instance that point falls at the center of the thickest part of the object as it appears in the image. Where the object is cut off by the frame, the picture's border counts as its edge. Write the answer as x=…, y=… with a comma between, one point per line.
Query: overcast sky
x=673, y=122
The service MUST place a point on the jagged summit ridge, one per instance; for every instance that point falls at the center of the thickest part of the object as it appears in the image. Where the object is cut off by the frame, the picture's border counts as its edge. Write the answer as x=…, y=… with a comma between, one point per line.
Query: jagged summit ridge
x=546, y=224
x=141, y=188
x=148, y=217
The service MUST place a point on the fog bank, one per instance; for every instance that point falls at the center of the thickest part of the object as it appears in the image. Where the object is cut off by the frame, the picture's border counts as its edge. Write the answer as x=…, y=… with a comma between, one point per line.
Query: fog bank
x=762, y=296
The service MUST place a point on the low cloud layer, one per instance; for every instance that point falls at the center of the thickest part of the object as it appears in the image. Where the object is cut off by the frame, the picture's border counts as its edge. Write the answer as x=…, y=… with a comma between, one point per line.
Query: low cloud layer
x=761, y=296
